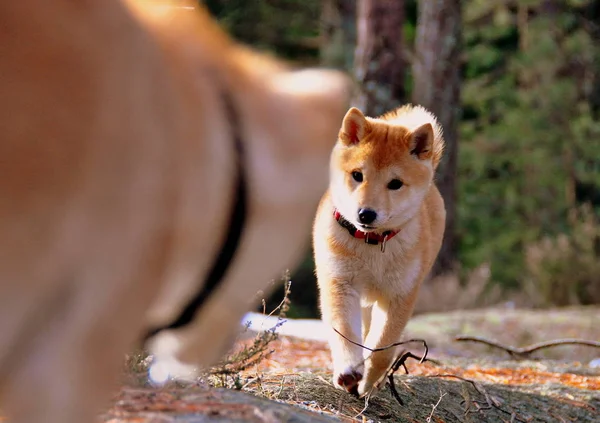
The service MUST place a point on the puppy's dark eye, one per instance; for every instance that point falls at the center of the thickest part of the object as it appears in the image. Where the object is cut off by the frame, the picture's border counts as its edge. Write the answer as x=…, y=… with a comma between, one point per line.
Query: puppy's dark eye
x=395, y=184
x=357, y=176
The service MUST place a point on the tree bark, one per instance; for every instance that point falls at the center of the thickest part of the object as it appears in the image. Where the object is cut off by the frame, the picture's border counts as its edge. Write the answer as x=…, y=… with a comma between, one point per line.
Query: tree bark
x=436, y=71
x=379, y=63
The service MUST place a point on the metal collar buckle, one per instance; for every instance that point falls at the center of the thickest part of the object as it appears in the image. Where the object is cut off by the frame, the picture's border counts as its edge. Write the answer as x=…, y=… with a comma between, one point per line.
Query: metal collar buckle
x=385, y=238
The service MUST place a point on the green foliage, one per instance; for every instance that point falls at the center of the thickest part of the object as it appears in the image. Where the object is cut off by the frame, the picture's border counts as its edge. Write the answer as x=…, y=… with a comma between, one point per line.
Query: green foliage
x=565, y=270
x=529, y=139
x=286, y=27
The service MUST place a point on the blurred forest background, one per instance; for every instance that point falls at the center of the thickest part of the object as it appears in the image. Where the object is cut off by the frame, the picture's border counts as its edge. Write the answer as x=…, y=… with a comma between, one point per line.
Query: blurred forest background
x=516, y=86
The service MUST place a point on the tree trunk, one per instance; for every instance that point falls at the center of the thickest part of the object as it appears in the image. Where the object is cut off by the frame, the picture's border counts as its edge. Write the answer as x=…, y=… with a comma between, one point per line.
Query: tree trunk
x=592, y=16
x=436, y=71
x=379, y=63
x=338, y=30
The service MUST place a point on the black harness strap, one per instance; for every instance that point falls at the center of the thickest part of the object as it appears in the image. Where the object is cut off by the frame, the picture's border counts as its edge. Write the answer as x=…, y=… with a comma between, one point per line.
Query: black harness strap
x=236, y=224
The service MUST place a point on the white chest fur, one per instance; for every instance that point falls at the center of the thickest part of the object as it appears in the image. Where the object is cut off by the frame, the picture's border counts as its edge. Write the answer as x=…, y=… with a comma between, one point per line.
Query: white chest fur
x=373, y=272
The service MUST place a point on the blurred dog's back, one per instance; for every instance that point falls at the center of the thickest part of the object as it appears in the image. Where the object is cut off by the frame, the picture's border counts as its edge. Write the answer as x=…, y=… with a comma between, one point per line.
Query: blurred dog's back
x=117, y=179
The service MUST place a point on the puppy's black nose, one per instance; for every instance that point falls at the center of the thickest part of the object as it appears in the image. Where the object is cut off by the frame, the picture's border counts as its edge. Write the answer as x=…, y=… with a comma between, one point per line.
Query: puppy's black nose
x=366, y=216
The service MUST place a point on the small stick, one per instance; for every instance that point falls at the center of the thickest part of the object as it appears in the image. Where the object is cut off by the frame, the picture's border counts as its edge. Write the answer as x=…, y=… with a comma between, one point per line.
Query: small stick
x=401, y=361
x=367, y=398
x=393, y=389
x=528, y=350
x=285, y=299
x=280, y=387
x=395, y=344
x=428, y=420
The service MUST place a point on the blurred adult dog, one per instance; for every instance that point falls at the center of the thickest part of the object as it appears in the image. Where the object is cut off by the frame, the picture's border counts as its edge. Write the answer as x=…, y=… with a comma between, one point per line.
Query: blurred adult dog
x=154, y=175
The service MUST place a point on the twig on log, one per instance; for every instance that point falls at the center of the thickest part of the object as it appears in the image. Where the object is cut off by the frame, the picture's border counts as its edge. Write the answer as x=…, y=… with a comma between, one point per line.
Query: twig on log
x=525, y=352
x=367, y=398
x=489, y=402
x=393, y=389
x=434, y=406
x=401, y=361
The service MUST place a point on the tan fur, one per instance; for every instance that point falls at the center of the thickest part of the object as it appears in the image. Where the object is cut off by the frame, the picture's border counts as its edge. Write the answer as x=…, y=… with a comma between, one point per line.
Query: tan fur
x=366, y=294
x=116, y=178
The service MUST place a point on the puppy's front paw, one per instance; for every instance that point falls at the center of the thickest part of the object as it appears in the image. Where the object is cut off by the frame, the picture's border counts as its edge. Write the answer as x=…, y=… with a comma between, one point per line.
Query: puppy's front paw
x=348, y=380
x=364, y=388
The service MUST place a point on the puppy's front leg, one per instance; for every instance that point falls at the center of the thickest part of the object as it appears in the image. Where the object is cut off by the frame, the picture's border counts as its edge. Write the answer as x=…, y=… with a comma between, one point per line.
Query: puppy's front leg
x=340, y=309
x=388, y=318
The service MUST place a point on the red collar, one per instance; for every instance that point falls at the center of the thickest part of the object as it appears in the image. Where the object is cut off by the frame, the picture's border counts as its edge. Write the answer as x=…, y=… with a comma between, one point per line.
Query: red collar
x=369, y=237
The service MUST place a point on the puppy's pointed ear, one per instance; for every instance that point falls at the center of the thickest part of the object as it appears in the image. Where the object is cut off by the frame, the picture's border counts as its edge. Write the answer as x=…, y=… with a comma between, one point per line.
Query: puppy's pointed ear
x=421, y=143
x=354, y=127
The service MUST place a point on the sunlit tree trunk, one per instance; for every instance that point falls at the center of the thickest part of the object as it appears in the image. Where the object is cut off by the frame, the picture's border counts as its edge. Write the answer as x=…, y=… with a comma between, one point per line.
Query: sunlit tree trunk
x=379, y=62
x=436, y=71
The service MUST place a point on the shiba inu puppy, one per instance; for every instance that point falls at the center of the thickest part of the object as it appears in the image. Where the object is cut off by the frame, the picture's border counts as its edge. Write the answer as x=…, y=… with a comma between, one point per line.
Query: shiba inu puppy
x=155, y=175
x=377, y=232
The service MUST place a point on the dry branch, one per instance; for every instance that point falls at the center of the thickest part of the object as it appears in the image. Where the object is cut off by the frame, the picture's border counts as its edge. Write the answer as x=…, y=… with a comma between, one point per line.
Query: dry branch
x=525, y=352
